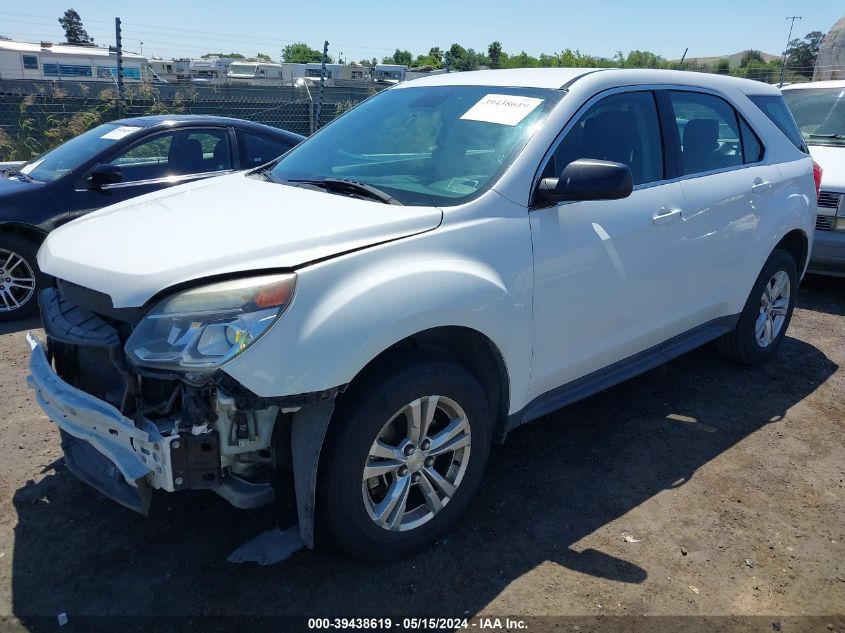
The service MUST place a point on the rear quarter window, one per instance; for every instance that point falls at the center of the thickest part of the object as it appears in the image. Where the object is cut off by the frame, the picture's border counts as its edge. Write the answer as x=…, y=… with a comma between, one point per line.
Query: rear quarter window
x=775, y=108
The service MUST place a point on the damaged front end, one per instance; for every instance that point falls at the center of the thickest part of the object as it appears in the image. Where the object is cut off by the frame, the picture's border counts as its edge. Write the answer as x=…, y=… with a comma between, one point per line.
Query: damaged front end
x=127, y=430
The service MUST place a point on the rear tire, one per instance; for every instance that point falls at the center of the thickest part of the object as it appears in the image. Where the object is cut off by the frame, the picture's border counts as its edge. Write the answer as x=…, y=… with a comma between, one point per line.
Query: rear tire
x=372, y=429
x=766, y=315
x=20, y=278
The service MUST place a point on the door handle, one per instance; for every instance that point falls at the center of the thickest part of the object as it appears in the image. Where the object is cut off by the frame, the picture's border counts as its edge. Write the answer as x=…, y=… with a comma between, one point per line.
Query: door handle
x=665, y=214
x=760, y=185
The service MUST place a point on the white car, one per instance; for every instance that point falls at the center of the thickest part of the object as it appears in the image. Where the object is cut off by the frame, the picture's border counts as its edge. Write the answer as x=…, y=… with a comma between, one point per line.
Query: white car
x=819, y=110
x=352, y=326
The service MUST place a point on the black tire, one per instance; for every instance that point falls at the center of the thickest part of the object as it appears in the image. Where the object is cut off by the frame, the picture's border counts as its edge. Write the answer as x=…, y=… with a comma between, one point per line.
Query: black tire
x=26, y=250
x=359, y=418
x=741, y=345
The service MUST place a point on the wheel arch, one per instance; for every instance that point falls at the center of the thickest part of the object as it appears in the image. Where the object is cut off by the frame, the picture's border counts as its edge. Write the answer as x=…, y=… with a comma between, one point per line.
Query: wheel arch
x=26, y=231
x=796, y=243
x=468, y=347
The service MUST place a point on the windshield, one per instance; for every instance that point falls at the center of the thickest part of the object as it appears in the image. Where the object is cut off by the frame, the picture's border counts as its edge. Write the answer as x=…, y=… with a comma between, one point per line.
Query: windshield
x=440, y=145
x=820, y=114
x=70, y=155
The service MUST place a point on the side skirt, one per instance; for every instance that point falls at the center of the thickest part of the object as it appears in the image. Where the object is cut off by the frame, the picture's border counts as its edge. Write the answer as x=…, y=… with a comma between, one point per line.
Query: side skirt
x=620, y=371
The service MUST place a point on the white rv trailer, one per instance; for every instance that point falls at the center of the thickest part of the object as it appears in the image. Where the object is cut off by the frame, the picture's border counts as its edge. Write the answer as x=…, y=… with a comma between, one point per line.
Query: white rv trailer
x=390, y=73
x=57, y=62
x=255, y=73
x=338, y=74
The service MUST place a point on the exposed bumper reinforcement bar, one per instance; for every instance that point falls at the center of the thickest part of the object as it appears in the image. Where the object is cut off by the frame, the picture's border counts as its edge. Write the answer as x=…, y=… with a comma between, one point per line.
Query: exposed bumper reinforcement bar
x=102, y=447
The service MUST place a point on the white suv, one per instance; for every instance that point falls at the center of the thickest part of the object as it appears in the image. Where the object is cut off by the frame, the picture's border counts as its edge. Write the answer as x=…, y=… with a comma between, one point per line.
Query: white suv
x=348, y=328
x=819, y=110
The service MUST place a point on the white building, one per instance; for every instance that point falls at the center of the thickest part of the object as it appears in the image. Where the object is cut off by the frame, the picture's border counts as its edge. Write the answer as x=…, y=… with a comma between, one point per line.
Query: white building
x=57, y=62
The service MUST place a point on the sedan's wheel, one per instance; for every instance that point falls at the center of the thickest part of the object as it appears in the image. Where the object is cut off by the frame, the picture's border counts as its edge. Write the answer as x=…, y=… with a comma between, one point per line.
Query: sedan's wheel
x=766, y=315
x=417, y=463
x=19, y=278
x=406, y=450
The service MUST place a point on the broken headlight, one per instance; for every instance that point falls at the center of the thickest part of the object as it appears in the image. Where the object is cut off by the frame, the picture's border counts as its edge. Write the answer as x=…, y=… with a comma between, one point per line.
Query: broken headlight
x=202, y=328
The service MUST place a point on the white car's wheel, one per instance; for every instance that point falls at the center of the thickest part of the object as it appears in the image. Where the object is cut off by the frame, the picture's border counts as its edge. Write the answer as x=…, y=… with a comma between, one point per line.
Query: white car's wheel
x=766, y=315
x=405, y=453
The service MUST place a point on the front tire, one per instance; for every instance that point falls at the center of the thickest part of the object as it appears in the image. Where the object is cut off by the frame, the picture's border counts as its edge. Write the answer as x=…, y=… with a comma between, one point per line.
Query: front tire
x=20, y=278
x=406, y=451
x=766, y=315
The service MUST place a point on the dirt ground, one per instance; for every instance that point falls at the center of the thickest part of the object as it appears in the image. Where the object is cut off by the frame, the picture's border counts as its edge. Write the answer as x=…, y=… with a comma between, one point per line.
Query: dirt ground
x=699, y=488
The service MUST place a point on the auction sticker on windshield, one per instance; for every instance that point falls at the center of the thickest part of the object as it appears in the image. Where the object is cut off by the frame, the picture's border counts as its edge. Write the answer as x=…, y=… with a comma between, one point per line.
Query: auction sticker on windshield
x=119, y=132
x=502, y=109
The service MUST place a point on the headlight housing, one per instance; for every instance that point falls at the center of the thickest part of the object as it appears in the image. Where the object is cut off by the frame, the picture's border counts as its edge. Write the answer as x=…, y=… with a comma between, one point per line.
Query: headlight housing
x=202, y=328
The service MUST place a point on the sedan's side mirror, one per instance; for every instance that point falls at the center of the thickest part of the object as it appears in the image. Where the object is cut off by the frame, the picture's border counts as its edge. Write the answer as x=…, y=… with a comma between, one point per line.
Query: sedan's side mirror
x=587, y=179
x=105, y=174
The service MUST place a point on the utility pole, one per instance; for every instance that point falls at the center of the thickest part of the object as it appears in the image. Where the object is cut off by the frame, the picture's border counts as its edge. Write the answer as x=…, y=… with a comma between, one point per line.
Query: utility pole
x=322, y=84
x=792, y=19
x=119, y=49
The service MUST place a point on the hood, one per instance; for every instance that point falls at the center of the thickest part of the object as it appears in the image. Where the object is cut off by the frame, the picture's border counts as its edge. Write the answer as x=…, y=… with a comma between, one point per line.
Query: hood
x=135, y=249
x=13, y=185
x=832, y=161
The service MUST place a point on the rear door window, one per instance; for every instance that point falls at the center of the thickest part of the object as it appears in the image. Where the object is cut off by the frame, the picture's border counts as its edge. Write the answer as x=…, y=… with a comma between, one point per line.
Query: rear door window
x=258, y=150
x=775, y=108
x=709, y=129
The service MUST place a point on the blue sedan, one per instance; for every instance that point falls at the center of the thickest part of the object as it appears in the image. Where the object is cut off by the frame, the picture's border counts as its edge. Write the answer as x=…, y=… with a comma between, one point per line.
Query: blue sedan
x=109, y=164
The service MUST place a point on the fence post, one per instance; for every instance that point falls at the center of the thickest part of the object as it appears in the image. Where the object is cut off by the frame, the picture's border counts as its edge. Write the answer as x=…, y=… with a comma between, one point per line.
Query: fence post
x=311, y=116
x=322, y=84
x=119, y=47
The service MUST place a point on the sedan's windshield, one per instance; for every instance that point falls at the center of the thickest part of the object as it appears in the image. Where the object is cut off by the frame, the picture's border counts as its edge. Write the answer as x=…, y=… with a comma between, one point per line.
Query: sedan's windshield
x=70, y=155
x=437, y=145
x=820, y=114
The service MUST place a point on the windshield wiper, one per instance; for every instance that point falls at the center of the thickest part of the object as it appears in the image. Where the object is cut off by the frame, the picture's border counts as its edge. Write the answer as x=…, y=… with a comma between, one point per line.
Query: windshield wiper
x=826, y=136
x=16, y=173
x=351, y=186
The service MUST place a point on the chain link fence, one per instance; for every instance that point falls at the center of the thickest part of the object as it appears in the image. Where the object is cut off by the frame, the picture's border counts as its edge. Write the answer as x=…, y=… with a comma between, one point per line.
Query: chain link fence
x=36, y=116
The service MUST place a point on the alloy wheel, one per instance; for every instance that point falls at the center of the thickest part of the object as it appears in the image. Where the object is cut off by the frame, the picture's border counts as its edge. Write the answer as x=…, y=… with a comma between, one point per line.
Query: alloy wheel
x=416, y=463
x=17, y=281
x=774, y=305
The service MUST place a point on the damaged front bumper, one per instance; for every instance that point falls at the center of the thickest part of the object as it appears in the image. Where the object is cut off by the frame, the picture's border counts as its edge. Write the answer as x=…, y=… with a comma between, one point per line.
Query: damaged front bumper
x=110, y=452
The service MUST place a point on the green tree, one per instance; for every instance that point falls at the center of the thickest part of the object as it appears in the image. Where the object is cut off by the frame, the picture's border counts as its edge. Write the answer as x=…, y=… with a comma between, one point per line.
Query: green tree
x=75, y=33
x=643, y=59
x=759, y=70
x=436, y=54
x=801, y=55
x=722, y=67
x=301, y=53
x=229, y=55
x=402, y=57
x=494, y=53
x=751, y=56
x=263, y=57
x=522, y=60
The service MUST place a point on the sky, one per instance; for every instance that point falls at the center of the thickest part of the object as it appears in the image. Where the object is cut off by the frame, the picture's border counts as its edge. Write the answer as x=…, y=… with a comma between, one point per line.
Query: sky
x=376, y=27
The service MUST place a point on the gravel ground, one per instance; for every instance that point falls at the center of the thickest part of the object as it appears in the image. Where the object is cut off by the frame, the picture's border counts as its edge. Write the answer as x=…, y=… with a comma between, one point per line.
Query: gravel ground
x=700, y=488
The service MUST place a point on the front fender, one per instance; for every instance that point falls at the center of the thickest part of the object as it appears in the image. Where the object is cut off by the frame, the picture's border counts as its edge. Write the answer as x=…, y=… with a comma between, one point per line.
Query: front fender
x=349, y=310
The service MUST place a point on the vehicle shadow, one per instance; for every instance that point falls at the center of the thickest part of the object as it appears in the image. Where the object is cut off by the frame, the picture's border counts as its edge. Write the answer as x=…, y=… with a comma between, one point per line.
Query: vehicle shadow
x=552, y=484
x=822, y=294
x=23, y=325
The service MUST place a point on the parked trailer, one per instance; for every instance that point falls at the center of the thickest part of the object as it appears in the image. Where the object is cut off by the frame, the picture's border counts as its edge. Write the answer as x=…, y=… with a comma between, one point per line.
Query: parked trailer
x=57, y=62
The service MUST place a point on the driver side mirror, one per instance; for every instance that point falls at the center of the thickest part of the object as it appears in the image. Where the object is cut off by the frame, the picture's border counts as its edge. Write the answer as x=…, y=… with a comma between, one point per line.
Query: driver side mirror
x=587, y=179
x=105, y=174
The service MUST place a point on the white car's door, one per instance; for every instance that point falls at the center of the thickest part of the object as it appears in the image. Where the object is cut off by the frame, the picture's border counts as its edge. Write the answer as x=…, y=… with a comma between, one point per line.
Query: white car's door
x=726, y=185
x=607, y=274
